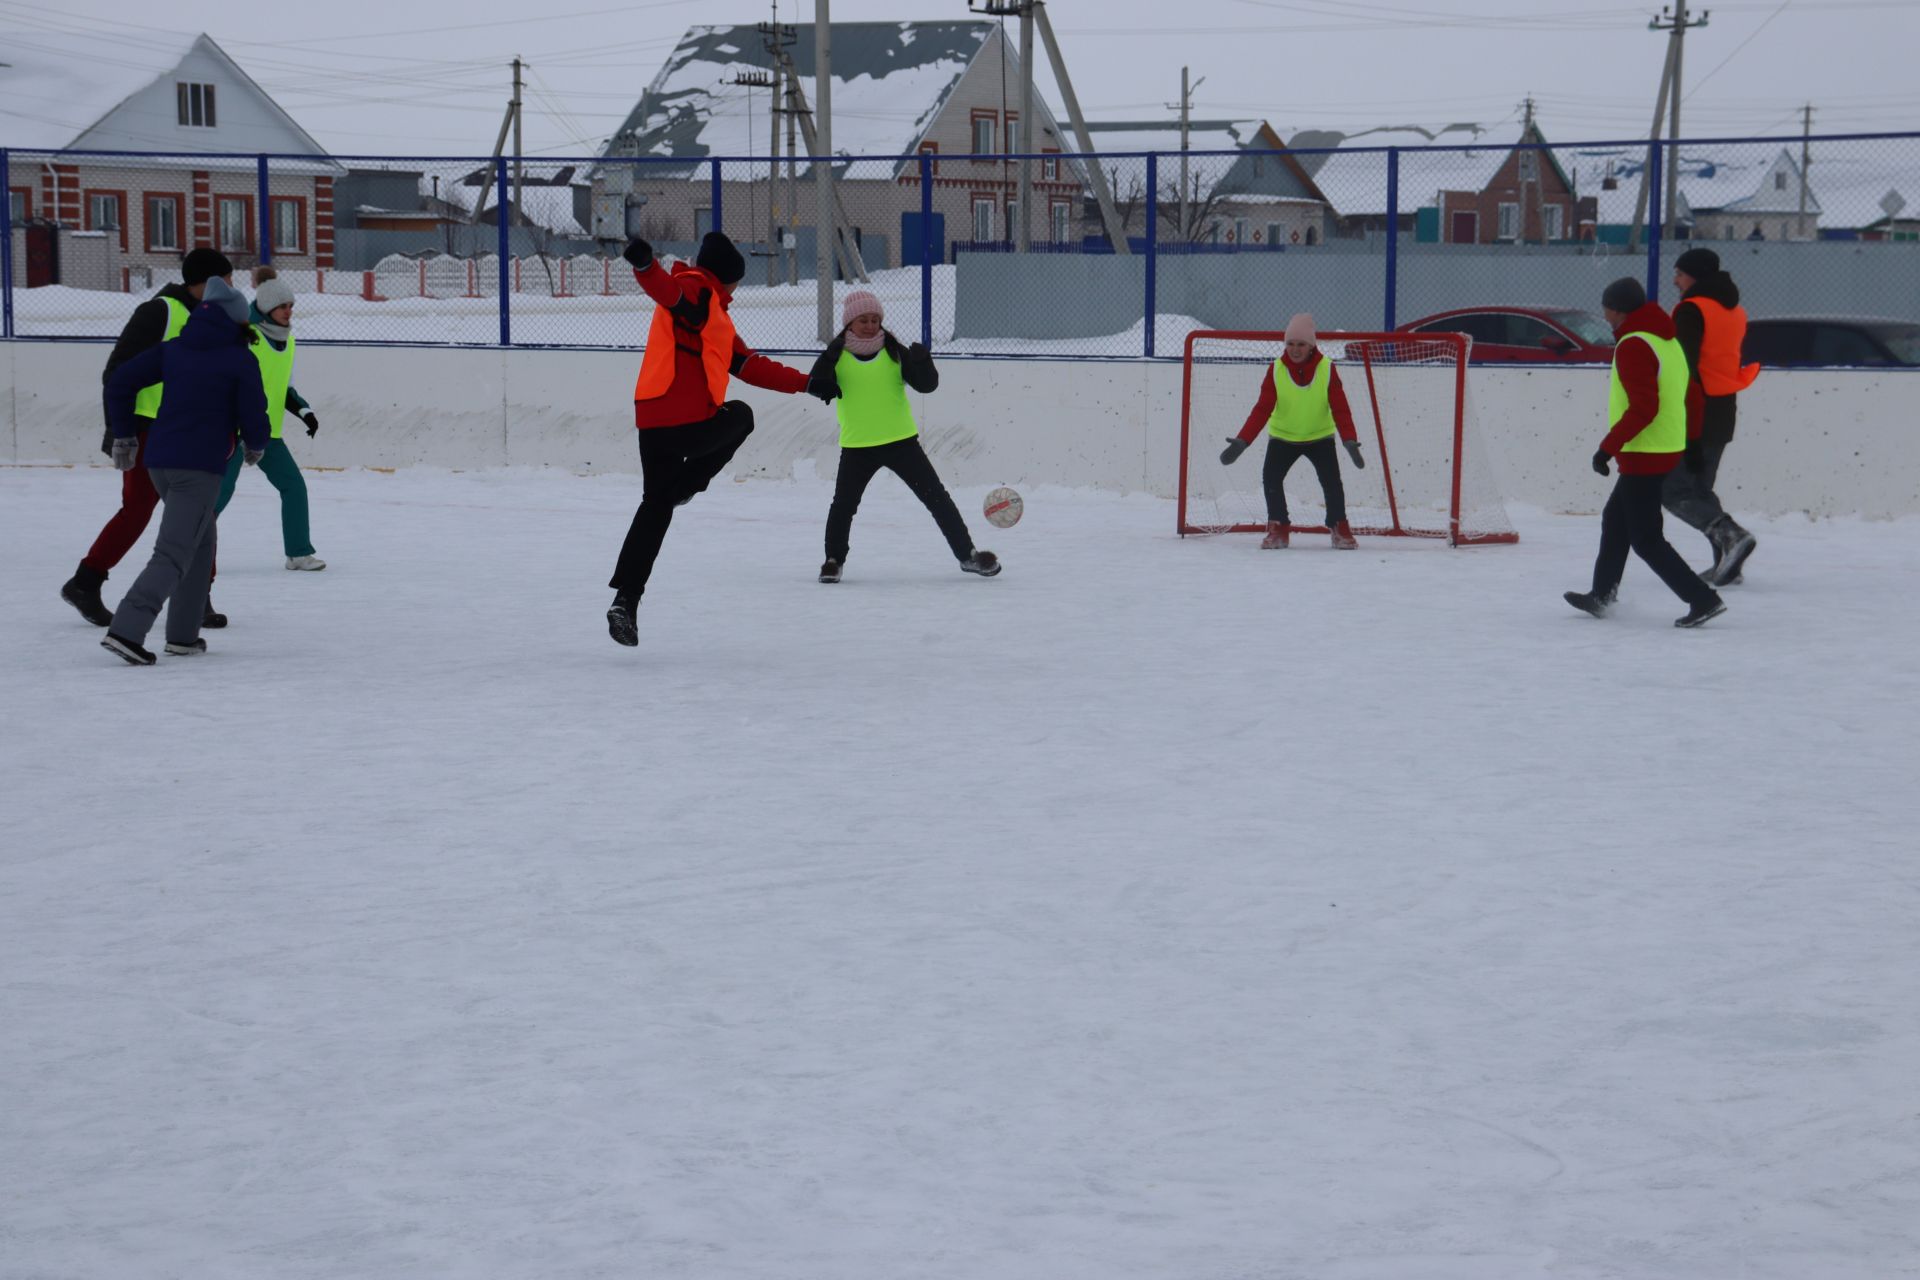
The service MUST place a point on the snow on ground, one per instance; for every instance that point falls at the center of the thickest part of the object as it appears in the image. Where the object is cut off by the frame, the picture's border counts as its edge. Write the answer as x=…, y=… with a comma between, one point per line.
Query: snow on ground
x=1157, y=909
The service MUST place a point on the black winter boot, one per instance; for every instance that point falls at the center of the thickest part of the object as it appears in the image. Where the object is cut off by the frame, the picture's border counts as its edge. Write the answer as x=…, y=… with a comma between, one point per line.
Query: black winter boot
x=984, y=563
x=82, y=591
x=620, y=621
x=212, y=619
x=830, y=571
x=1594, y=603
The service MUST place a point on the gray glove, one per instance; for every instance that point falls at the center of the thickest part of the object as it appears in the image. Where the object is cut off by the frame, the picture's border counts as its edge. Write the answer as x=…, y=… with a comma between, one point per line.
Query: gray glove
x=1353, y=451
x=254, y=456
x=1231, y=454
x=125, y=450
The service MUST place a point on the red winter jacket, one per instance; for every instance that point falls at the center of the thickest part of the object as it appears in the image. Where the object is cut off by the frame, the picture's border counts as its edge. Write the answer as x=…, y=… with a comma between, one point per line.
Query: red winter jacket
x=1639, y=371
x=689, y=293
x=1301, y=374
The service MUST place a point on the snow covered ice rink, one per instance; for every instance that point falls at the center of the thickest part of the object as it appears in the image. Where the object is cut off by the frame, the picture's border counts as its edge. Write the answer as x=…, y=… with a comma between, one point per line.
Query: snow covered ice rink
x=1158, y=909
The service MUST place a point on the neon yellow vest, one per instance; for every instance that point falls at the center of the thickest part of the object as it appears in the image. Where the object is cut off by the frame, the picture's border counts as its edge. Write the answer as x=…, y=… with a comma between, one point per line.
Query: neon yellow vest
x=1302, y=414
x=872, y=407
x=1667, y=433
x=147, y=402
x=276, y=372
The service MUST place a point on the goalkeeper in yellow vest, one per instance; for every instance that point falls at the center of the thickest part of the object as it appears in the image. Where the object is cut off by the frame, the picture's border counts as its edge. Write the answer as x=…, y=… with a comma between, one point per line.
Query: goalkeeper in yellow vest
x=1302, y=405
x=1653, y=411
x=273, y=346
x=867, y=370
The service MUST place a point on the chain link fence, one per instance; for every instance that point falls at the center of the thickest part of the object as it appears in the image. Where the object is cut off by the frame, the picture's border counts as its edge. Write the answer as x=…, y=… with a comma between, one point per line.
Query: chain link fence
x=989, y=255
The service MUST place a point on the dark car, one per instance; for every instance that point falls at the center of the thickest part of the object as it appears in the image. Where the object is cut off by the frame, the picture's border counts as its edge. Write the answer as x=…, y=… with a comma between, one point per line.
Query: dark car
x=1562, y=335
x=1784, y=341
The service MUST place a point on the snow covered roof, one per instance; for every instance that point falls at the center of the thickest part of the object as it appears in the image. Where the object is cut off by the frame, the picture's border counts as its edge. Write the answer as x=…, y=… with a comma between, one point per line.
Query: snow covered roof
x=1845, y=182
x=890, y=80
x=546, y=195
x=106, y=91
x=1355, y=182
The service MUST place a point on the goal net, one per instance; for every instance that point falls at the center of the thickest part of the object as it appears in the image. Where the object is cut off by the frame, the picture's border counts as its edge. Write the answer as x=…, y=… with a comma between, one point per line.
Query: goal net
x=1427, y=475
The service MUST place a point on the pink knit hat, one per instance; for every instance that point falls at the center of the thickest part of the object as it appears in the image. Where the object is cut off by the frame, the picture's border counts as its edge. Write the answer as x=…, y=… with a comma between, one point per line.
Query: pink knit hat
x=1300, y=328
x=860, y=303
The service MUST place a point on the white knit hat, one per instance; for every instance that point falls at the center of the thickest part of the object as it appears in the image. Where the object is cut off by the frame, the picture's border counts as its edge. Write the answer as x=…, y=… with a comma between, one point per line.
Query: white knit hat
x=272, y=294
x=1300, y=328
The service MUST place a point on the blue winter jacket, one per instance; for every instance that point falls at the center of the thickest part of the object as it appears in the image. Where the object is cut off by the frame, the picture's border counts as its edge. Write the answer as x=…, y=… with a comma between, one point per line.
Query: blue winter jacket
x=213, y=392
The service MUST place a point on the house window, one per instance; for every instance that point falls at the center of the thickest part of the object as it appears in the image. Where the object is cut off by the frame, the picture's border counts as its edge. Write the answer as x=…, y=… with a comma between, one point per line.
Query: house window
x=1240, y=231
x=1509, y=222
x=1556, y=221
x=106, y=211
x=1780, y=181
x=163, y=224
x=289, y=224
x=1274, y=234
x=1060, y=221
x=195, y=103
x=983, y=123
x=1529, y=166
x=1013, y=134
x=982, y=219
x=19, y=204
x=1050, y=169
x=1013, y=217
x=932, y=149
x=234, y=219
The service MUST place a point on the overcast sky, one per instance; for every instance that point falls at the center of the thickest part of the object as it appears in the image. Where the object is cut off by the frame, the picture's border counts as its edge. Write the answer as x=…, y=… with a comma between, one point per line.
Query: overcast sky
x=430, y=76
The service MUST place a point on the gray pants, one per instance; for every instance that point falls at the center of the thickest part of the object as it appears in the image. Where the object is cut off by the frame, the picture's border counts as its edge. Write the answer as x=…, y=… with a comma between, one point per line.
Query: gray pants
x=1689, y=494
x=180, y=574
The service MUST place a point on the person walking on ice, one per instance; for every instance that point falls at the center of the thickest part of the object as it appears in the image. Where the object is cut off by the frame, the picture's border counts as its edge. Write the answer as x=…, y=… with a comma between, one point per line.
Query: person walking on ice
x=213, y=395
x=1302, y=405
x=1653, y=412
x=688, y=428
x=867, y=370
x=1710, y=324
x=272, y=319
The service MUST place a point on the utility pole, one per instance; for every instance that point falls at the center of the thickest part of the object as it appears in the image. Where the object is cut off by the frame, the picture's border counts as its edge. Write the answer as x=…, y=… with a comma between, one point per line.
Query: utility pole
x=519, y=150
x=792, y=111
x=508, y=122
x=1531, y=213
x=1186, y=122
x=1023, y=237
x=775, y=38
x=847, y=252
x=1096, y=178
x=1676, y=25
x=751, y=80
x=1806, y=129
x=1653, y=140
x=826, y=229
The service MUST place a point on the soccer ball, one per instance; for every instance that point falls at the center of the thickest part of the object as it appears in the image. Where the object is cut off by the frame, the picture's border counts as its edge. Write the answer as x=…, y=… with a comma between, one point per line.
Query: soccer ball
x=1003, y=508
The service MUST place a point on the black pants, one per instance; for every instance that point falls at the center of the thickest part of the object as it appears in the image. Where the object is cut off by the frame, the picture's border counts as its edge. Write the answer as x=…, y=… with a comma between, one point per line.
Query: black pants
x=906, y=459
x=1324, y=454
x=675, y=463
x=1632, y=522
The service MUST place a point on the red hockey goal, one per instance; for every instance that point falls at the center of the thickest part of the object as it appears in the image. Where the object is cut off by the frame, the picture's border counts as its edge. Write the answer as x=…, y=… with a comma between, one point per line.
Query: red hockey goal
x=1427, y=475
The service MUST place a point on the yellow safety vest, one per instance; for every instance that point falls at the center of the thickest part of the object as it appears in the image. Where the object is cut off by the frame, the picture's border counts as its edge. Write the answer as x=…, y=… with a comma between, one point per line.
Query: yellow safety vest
x=147, y=402
x=1302, y=414
x=276, y=374
x=1667, y=433
x=872, y=407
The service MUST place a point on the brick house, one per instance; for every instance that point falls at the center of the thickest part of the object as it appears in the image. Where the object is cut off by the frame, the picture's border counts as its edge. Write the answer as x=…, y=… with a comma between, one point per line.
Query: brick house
x=137, y=213
x=948, y=90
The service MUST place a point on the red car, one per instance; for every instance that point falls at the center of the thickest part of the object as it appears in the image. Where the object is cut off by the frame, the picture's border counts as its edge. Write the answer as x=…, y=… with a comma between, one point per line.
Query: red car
x=1561, y=335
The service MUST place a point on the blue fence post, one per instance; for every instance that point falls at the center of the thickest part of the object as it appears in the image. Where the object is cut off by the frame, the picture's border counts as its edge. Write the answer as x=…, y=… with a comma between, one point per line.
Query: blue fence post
x=717, y=223
x=1655, y=169
x=1153, y=245
x=926, y=249
x=1393, y=231
x=266, y=215
x=6, y=260
x=506, y=312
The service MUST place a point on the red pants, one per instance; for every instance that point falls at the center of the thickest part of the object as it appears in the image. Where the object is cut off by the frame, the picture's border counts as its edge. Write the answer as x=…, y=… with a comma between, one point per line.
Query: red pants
x=137, y=501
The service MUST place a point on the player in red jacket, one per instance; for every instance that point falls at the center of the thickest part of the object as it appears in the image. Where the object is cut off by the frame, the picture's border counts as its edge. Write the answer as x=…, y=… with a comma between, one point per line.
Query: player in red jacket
x=688, y=428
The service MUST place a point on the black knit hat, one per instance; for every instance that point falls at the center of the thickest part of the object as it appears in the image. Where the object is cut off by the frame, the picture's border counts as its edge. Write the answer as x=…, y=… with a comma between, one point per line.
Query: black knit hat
x=719, y=259
x=1701, y=264
x=1624, y=295
x=203, y=264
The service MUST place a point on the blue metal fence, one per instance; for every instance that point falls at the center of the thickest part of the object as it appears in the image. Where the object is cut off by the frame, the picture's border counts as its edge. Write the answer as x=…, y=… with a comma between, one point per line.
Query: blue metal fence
x=1424, y=226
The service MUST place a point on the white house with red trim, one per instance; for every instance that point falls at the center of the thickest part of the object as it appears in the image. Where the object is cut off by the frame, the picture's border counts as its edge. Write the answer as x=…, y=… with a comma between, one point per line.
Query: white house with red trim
x=116, y=220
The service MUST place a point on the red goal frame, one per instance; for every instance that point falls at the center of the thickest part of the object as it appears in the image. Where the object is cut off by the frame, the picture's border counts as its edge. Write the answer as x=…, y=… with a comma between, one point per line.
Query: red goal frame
x=1363, y=345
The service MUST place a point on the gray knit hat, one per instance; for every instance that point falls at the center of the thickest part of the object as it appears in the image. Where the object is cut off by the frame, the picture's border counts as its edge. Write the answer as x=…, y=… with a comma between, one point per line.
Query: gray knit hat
x=229, y=299
x=272, y=294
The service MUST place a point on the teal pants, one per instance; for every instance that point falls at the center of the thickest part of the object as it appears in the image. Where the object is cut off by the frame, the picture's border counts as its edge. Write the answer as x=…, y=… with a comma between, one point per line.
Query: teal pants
x=284, y=473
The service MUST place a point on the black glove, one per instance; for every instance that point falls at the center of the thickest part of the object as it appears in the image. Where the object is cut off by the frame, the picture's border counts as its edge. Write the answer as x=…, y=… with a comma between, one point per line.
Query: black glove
x=1353, y=451
x=313, y=423
x=1231, y=454
x=1696, y=455
x=918, y=353
x=1600, y=462
x=822, y=388
x=639, y=253
x=125, y=450
x=254, y=456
